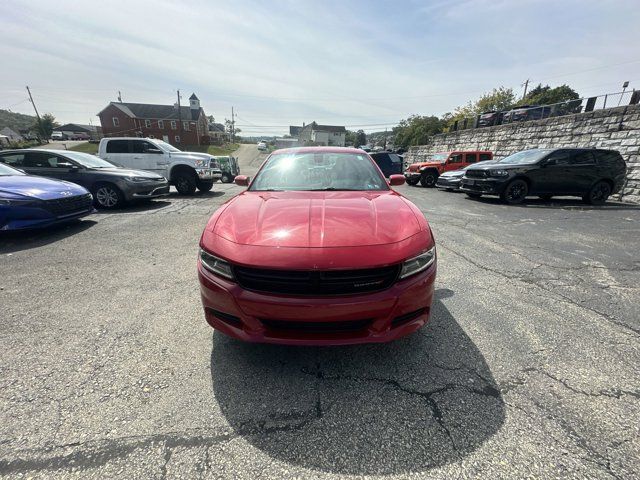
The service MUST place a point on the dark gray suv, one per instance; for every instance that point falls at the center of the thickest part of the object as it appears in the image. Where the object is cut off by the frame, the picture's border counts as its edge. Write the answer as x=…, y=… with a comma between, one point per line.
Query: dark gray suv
x=111, y=186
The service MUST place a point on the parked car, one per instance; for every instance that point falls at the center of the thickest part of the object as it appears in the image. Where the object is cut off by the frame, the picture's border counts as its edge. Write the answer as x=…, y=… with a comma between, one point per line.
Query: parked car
x=490, y=118
x=37, y=202
x=57, y=136
x=427, y=173
x=80, y=136
x=279, y=264
x=229, y=167
x=451, y=180
x=592, y=174
x=262, y=146
x=186, y=170
x=110, y=185
x=390, y=163
x=526, y=112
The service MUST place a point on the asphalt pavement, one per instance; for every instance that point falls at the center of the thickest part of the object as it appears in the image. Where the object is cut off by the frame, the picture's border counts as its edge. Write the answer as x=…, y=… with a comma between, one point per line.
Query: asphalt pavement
x=528, y=368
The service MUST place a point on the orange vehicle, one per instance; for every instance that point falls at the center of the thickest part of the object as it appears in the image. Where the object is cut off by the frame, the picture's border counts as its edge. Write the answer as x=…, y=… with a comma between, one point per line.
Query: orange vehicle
x=427, y=173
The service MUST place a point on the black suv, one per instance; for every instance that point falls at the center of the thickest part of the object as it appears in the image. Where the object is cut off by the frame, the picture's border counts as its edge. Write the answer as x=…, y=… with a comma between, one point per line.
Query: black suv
x=590, y=173
x=390, y=163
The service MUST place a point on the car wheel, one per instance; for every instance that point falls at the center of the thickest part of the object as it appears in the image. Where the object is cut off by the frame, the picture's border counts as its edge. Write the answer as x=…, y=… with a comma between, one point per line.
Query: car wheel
x=546, y=198
x=225, y=178
x=205, y=186
x=473, y=195
x=598, y=194
x=515, y=192
x=428, y=179
x=185, y=183
x=107, y=195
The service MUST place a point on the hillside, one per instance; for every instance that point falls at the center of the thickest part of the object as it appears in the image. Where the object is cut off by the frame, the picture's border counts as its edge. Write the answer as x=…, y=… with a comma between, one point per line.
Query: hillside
x=15, y=121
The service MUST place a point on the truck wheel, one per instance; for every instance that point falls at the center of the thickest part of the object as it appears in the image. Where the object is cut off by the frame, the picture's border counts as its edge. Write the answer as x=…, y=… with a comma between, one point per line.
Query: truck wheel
x=428, y=179
x=107, y=195
x=412, y=181
x=205, y=186
x=185, y=183
x=598, y=194
x=225, y=178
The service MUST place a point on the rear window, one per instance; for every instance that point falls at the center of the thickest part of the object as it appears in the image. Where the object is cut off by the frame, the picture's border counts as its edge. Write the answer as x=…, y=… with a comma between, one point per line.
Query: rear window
x=13, y=159
x=609, y=158
x=118, y=146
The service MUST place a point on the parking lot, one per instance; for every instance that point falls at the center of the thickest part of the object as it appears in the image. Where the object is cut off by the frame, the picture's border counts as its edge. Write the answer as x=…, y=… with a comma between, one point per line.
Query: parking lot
x=528, y=368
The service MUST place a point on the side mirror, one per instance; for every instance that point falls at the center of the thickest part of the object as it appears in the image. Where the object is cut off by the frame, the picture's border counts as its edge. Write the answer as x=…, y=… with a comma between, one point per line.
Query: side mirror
x=243, y=181
x=395, y=180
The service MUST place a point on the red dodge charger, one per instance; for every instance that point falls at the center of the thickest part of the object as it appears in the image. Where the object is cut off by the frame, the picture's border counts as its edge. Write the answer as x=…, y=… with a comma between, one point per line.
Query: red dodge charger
x=317, y=251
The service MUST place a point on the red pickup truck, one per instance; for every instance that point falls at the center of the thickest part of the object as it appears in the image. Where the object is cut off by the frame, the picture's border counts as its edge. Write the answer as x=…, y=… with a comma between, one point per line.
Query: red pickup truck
x=427, y=173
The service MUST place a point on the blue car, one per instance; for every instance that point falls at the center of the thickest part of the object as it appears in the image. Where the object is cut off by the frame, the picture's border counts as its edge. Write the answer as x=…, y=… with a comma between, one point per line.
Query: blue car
x=34, y=202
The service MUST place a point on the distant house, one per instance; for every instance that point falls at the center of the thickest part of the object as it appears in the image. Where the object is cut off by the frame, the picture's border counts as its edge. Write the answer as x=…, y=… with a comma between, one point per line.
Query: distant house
x=217, y=133
x=187, y=126
x=74, y=129
x=11, y=135
x=325, y=135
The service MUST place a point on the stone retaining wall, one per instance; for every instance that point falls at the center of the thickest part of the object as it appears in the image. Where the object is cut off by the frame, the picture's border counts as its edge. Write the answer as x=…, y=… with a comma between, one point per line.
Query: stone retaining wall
x=614, y=128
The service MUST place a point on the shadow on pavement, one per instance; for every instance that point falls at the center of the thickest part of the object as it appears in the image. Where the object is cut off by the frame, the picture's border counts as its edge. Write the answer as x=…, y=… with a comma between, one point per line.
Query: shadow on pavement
x=11, y=242
x=408, y=406
x=569, y=203
x=210, y=194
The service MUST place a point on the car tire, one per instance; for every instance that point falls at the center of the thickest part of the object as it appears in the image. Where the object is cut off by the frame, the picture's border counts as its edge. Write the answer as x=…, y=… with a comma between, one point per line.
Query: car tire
x=473, y=195
x=428, y=179
x=546, y=197
x=107, y=196
x=598, y=194
x=185, y=183
x=205, y=186
x=515, y=192
x=413, y=182
x=225, y=178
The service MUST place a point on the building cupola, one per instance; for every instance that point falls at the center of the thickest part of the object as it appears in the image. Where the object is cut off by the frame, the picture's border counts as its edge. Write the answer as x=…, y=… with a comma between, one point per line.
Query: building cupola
x=194, y=103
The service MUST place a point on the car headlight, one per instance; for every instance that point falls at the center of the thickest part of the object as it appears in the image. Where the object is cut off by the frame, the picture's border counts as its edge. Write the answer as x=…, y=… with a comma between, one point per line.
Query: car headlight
x=137, y=179
x=14, y=202
x=216, y=265
x=498, y=173
x=418, y=263
x=201, y=163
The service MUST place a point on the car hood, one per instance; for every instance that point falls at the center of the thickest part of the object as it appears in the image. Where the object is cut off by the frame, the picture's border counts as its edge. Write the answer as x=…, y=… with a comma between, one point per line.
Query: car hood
x=418, y=166
x=192, y=155
x=453, y=173
x=39, y=188
x=126, y=172
x=316, y=219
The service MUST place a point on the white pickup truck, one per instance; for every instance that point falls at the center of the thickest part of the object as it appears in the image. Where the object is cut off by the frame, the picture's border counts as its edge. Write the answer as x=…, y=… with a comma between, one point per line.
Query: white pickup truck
x=186, y=170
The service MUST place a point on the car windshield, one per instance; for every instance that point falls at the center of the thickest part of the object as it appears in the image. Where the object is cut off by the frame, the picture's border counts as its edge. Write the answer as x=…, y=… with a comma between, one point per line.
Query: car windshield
x=439, y=157
x=525, y=157
x=88, y=160
x=5, y=170
x=318, y=171
x=167, y=147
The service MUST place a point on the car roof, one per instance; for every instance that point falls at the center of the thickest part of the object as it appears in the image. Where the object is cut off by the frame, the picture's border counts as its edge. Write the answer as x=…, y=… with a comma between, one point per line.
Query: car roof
x=320, y=150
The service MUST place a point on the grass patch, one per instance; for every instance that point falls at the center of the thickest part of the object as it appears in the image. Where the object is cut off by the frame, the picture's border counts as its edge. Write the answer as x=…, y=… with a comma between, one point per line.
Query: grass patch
x=221, y=150
x=86, y=148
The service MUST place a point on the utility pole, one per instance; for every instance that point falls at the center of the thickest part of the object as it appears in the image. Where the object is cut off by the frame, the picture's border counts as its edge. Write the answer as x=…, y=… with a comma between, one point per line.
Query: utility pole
x=37, y=114
x=180, y=119
x=233, y=125
x=525, y=85
x=119, y=96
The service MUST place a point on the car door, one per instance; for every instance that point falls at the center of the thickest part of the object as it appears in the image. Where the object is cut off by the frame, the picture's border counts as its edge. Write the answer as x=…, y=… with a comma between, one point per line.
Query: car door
x=553, y=175
x=119, y=152
x=454, y=162
x=147, y=156
x=469, y=159
x=581, y=174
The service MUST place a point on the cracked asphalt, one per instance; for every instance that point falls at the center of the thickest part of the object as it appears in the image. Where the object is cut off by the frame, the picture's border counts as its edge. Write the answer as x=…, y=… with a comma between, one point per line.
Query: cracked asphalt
x=528, y=368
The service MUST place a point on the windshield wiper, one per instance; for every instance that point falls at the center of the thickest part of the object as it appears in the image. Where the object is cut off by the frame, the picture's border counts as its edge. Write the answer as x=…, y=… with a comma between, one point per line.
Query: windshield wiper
x=333, y=189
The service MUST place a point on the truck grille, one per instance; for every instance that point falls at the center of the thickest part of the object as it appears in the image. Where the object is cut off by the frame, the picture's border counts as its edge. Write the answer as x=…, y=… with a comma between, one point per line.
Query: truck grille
x=69, y=205
x=332, y=282
x=476, y=173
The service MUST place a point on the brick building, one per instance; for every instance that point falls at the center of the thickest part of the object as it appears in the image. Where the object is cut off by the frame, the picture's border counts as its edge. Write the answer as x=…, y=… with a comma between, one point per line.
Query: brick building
x=189, y=126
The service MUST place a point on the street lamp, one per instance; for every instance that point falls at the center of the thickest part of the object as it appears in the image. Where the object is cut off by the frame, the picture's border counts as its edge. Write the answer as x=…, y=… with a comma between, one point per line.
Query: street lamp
x=624, y=87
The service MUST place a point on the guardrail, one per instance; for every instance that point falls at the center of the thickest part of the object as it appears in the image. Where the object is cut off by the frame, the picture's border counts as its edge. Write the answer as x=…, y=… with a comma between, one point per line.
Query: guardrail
x=538, y=112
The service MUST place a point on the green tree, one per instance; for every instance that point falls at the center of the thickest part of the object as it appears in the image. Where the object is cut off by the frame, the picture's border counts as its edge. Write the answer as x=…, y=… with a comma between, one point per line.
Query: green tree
x=546, y=95
x=45, y=126
x=350, y=137
x=416, y=130
x=361, y=138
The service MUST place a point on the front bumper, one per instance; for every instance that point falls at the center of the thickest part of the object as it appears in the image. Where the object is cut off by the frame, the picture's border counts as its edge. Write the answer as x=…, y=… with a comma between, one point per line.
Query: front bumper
x=412, y=175
x=446, y=182
x=486, y=186
x=25, y=218
x=144, y=190
x=334, y=320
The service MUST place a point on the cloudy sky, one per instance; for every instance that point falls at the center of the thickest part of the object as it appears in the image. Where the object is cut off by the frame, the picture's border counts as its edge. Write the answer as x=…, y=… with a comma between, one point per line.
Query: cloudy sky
x=364, y=64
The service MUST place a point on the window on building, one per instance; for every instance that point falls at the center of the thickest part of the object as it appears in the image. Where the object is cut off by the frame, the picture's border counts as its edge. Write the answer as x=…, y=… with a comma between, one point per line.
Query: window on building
x=116, y=121
x=160, y=124
x=174, y=125
x=185, y=126
x=147, y=123
x=177, y=138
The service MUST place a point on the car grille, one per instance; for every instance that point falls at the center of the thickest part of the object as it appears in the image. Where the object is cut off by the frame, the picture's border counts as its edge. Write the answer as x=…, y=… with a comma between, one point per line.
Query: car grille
x=69, y=205
x=332, y=282
x=316, y=327
x=476, y=173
